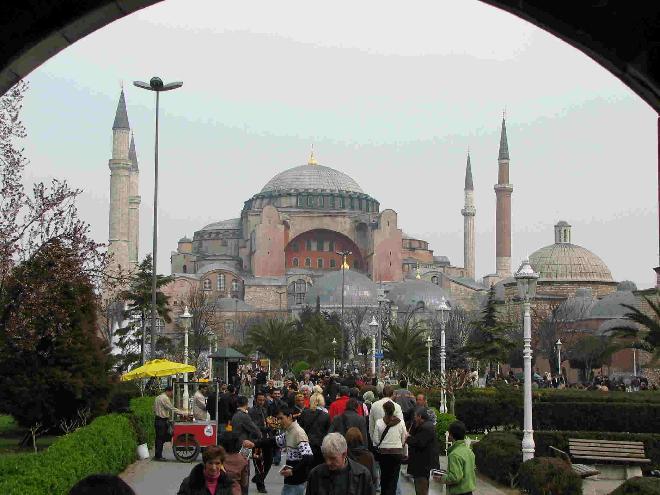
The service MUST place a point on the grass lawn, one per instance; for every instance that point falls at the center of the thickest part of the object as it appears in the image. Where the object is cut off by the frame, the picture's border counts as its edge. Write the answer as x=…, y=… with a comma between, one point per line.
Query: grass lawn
x=11, y=434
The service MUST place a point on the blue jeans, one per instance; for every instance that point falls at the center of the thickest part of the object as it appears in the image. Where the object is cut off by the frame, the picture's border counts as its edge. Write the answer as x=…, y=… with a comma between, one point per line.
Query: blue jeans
x=293, y=489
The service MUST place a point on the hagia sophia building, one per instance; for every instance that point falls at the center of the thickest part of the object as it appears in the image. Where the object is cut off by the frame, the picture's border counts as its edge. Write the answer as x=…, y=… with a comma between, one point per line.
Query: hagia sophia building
x=281, y=253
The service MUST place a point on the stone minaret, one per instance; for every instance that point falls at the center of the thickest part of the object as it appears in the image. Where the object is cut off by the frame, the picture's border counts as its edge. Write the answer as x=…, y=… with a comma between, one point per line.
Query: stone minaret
x=468, y=213
x=503, y=190
x=120, y=172
x=133, y=207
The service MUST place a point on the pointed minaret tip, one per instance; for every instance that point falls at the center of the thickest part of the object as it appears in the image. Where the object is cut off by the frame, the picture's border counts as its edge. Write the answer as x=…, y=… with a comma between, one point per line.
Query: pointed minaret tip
x=132, y=155
x=121, y=117
x=504, y=145
x=469, y=186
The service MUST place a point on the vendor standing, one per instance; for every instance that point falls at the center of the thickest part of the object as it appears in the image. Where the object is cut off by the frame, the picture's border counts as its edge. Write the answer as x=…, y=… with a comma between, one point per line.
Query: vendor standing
x=163, y=408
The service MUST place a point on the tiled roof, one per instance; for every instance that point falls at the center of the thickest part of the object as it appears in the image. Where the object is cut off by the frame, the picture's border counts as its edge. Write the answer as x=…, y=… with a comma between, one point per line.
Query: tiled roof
x=312, y=177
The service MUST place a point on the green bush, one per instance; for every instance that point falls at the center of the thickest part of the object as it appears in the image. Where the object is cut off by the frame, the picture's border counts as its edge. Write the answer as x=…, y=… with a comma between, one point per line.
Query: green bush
x=143, y=409
x=120, y=396
x=442, y=425
x=597, y=416
x=106, y=445
x=548, y=476
x=299, y=367
x=480, y=413
x=574, y=395
x=498, y=455
x=639, y=486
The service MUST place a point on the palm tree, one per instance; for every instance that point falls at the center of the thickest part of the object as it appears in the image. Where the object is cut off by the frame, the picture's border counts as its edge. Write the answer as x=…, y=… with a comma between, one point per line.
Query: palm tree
x=648, y=328
x=404, y=344
x=316, y=334
x=276, y=339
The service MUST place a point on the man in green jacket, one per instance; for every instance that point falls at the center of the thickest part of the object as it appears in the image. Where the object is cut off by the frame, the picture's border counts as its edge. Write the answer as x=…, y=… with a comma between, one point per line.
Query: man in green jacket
x=460, y=478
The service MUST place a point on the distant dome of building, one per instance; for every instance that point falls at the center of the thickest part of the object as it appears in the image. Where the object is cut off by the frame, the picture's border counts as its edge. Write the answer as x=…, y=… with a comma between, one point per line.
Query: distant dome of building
x=610, y=306
x=564, y=261
x=185, y=238
x=312, y=178
x=577, y=307
x=359, y=290
x=412, y=293
x=231, y=224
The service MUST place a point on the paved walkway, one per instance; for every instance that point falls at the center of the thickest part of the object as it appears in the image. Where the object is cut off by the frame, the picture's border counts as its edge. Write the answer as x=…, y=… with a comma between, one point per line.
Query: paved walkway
x=163, y=478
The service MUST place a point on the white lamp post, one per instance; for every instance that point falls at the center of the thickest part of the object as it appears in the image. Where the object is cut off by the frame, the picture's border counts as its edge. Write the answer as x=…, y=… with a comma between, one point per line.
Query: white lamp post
x=526, y=279
x=429, y=344
x=185, y=320
x=334, y=356
x=444, y=313
x=558, y=344
x=373, y=325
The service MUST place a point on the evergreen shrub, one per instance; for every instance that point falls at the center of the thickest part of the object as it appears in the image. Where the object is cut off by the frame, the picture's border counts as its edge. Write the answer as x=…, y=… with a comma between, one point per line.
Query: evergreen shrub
x=442, y=425
x=639, y=486
x=300, y=366
x=548, y=476
x=498, y=455
x=143, y=409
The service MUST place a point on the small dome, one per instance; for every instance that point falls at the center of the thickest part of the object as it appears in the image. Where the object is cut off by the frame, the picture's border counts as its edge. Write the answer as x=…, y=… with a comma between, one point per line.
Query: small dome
x=564, y=261
x=185, y=239
x=312, y=178
x=627, y=285
x=359, y=290
x=610, y=306
x=577, y=307
x=411, y=292
x=231, y=224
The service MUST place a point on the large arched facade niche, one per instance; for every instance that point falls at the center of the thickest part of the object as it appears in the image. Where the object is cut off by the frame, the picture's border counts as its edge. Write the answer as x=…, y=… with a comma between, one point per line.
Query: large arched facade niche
x=317, y=250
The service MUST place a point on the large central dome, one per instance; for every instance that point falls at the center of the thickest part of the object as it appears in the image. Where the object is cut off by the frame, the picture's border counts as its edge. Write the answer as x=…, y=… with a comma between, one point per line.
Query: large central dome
x=312, y=177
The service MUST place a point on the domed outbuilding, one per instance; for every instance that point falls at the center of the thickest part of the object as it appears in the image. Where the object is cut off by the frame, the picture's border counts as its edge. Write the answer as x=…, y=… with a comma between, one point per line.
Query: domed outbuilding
x=359, y=290
x=413, y=294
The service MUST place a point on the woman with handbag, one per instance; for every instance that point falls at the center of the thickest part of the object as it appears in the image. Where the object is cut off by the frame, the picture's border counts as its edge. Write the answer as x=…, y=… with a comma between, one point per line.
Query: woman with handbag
x=390, y=441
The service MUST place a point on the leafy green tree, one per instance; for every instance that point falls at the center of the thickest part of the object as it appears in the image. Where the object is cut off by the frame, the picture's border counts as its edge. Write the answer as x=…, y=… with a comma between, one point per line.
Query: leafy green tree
x=276, y=339
x=317, y=330
x=132, y=340
x=404, y=345
x=590, y=352
x=490, y=341
x=65, y=369
x=648, y=331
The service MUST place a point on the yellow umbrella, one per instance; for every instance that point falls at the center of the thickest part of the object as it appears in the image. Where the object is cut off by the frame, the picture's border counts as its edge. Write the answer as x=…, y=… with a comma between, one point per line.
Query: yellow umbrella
x=157, y=367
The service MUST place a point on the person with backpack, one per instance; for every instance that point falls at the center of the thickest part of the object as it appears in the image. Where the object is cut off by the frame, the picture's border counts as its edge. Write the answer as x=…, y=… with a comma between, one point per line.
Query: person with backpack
x=350, y=419
x=316, y=422
x=390, y=441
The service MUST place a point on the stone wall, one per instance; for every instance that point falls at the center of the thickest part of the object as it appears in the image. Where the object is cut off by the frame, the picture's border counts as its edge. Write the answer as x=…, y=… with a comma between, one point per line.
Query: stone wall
x=265, y=297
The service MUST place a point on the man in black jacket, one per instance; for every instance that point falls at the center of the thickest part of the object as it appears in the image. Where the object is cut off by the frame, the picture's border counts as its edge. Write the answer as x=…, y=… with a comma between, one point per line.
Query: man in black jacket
x=349, y=419
x=242, y=424
x=263, y=460
x=338, y=474
x=422, y=450
x=316, y=424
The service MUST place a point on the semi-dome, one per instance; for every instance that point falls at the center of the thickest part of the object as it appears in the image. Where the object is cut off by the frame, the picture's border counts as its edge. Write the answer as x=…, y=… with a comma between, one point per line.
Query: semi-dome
x=312, y=178
x=564, y=261
x=231, y=224
x=416, y=292
x=577, y=307
x=359, y=290
x=611, y=306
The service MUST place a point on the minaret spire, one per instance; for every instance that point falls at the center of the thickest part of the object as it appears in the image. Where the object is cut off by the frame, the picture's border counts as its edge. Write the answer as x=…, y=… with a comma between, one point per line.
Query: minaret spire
x=503, y=190
x=468, y=212
x=121, y=117
x=132, y=155
x=504, y=145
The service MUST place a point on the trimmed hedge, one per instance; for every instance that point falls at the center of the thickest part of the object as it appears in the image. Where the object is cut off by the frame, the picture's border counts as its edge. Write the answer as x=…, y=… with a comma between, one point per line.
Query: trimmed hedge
x=559, y=439
x=480, y=413
x=548, y=476
x=597, y=416
x=498, y=456
x=143, y=408
x=639, y=486
x=442, y=425
x=106, y=445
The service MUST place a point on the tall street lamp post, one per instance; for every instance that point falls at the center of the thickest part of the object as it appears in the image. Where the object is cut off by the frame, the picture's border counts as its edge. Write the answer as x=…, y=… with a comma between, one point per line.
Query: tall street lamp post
x=373, y=325
x=558, y=344
x=429, y=344
x=334, y=356
x=155, y=84
x=344, y=254
x=444, y=313
x=186, y=318
x=526, y=280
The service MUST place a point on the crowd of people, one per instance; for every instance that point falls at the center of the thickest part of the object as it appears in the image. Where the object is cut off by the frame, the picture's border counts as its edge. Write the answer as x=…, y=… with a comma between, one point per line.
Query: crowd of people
x=330, y=434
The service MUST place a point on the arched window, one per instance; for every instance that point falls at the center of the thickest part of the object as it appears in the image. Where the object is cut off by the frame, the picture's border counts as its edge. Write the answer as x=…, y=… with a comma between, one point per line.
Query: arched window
x=319, y=263
x=331, y=246
x=294, y=262
x=341, y=202
x=308, y=262
x=308, y=244
x=234, y=286
x=320, y=201
x=300, y=290
x=185, y=269
x=295, y=247
x=229, y=325
x=310, y=201
x=333, y=263
x=221, y=282
x=331, y=202
x=301, y=201
x=207, y=284
x=319, y=244
x=434, y=279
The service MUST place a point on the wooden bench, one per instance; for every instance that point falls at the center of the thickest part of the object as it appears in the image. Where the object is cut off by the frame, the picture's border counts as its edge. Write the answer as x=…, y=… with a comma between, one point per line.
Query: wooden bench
x=603, y=451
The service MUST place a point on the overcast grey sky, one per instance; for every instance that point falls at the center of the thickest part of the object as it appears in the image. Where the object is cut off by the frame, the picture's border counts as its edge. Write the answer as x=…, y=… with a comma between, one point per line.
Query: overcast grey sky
x=391, y=93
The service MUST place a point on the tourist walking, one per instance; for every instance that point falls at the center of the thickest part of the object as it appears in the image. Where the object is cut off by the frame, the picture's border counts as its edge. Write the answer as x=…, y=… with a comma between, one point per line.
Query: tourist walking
x=339, y=474
x=242, y=424
x=359, y=452
x=350, y=418
x=235, y=463
x=423, y=450
x=316, y=423
x=461, y=477
x=209, y=476
x=262, y=456
x=389, y=440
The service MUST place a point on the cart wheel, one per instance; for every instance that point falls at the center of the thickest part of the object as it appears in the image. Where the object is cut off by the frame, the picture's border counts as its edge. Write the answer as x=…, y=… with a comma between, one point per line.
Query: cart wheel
x=185, y=447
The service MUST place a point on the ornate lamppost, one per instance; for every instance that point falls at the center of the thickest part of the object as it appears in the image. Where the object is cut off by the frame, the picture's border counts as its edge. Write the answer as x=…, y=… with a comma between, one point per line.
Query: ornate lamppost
x=429, y=344
x=186, y=318
x=444, y=313
x=334, y=356
x=558, y=344
x=373, y=325
x=526, y=279
x=155, y=84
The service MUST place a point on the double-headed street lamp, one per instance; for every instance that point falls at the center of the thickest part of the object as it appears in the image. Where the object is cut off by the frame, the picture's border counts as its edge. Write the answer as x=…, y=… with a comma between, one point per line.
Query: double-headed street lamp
x=373, y=326
x=526, y=279
x=155, y=84
x=186, y=318
x=444, y=309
